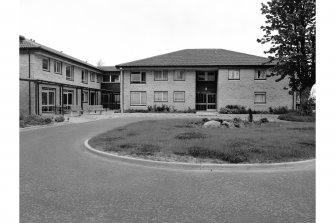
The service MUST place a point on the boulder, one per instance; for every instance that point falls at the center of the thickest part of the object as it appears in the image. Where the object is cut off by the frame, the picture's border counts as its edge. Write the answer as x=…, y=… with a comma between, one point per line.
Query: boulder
x=212, y=124
x=227, y=124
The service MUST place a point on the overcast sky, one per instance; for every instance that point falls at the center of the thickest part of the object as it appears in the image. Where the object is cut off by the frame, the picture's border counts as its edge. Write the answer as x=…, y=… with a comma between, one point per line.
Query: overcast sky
x=119, y=31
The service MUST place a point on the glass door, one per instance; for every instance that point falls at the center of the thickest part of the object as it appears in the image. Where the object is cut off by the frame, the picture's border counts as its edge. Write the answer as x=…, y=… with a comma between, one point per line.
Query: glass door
x=67, y=99
x=48, y=100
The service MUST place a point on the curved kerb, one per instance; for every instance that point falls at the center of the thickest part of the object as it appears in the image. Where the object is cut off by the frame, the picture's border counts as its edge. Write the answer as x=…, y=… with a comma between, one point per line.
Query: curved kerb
x=204, y=166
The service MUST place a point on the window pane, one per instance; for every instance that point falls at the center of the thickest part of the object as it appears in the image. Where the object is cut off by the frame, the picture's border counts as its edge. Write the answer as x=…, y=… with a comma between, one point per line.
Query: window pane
x=143, y=98
x=165, y=96
x=157, y=96
x=44, y=98
x=135, y=98
x=158, y=75
x=260, y=98
x=45, y=64
x=211, y=76
x=179, y=96
x=234, y=74
x=106, y=78
x=143, y=76
x=165, y=75
x=135, y=77
x=201, y=76
x=51, y=98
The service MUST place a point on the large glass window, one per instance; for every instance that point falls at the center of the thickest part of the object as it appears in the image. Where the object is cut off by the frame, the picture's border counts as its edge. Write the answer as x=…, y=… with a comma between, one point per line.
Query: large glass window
x=84, y=76
x=137, y=77
x=138, y=98
x=260, y=97
x=67, y=98
x=233, y=74
x=161, y=75
x=46, y=64
x=106, y=78
x=48, y=100
x=161, y=96
x=206, y=76
x=58, y=67
x=69, y=73
x=260, y=75
x=179, y=96
x=179, y=75
x=115, y=78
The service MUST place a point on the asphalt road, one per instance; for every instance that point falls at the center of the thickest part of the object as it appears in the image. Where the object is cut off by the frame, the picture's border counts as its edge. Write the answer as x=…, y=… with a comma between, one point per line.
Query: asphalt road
x=61, y=182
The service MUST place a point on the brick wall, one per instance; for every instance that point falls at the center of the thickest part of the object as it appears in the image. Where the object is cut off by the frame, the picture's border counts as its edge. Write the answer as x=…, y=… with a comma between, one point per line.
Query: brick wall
x=241, y=92
x=170, y=85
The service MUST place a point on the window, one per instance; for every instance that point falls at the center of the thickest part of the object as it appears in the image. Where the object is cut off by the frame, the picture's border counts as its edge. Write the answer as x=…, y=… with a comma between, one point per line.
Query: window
x=260, y=98
x=260, y=75
x=67, y=98
x=115, y=78
x=92, y=76
x=106, y=78
x=137, y=77
x=46, y=64
x=84, y=76
x=85, y=96
x=161, y=75
x=98, y=78
x=233, y=74
x=179, y=96
x=69, y=73
x=179, y=75
x=48, y=100
x=206, y=76
x=161, y=96
x=58, y=67
x=138, y=98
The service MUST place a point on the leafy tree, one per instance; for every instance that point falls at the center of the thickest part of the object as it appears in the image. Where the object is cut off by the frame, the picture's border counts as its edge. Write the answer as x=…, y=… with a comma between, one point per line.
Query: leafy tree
x=100, y=63
x=290, y=28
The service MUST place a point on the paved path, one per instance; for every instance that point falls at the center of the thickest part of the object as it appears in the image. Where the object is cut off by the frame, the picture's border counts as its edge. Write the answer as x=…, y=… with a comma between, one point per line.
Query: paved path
x=61, y=182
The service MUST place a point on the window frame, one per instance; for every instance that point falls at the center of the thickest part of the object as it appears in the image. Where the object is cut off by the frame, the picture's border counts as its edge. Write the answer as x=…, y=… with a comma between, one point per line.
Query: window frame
x=239, y=74
x=60, y=67
x=83, y=95
x=111, y=78
x=260, y=93
x=256, y=74
x=174, y=96
x=167, y=96
x=162, y=75
x=48, y=90
x=141, y=92
x=142, y=73
x=179, y=72
x=98, y=78
x=71, y=78
x=92, y=76
x=48, y=68
x=84, y=73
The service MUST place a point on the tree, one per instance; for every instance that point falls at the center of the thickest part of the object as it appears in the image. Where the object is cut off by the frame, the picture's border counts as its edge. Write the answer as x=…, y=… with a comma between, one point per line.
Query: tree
x=100, y=63
x=290, y=28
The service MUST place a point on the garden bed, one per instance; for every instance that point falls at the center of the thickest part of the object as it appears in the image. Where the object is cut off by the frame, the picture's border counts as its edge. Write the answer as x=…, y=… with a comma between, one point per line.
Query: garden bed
x=185, y=140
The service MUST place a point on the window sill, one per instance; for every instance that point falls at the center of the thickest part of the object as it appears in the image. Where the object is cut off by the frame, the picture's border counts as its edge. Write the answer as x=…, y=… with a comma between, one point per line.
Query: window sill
x=137, y=82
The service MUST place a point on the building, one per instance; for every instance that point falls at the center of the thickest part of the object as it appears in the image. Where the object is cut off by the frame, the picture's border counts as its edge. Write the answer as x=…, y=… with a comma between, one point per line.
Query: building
x=51, y=81
x=202, y=79
x=110, y=81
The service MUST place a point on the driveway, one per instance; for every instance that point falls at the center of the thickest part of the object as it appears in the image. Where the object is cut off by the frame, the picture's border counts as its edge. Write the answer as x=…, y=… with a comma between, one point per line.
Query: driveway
x=61, y=182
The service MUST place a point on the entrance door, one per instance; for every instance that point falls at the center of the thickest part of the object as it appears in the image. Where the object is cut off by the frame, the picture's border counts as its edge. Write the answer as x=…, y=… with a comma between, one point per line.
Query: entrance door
x=67, y=99
x=206, y=101
x=48, y=100
x=92, y=98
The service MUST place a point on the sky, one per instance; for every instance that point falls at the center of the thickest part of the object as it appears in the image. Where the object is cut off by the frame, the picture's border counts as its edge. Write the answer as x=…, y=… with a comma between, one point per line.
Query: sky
x=118, y=31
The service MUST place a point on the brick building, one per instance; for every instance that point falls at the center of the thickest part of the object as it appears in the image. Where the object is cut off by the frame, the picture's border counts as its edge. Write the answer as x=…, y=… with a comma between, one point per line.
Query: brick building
x=202, y=79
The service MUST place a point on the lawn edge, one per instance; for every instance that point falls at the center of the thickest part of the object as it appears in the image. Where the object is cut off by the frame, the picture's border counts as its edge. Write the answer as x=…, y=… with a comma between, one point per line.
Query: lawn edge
x=202, y=166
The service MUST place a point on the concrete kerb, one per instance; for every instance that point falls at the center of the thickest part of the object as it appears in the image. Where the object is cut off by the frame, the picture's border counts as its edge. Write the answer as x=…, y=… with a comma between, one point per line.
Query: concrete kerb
x=204, y=166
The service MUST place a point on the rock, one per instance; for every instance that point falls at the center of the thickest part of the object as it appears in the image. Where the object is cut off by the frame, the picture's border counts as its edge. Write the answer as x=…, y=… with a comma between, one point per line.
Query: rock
x=227, y=124
x=212, y=124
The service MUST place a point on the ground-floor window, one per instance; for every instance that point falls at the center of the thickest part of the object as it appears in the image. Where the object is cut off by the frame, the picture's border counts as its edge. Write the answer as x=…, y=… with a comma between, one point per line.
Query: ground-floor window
x=48, y=100
x=85, y=96
x=138, y=98
x=161, y=96
x=179, y=96
x=260, y=97
x=67, y=98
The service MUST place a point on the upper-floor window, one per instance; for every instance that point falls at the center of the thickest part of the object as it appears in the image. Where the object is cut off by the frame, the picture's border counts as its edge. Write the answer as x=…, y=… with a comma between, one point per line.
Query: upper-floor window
x=160, y=75
x=137, y=77
x=260, y=98
x=206, y=76
x=233, y=74
x=160, y=96
x=92, y=76
x=98, y=78
x=58, y=67
x=115, y=78
x=84, y=76
x=106, y=78
x=260, y=75
x=69, y=73
x=46, y=64
x=179, y=75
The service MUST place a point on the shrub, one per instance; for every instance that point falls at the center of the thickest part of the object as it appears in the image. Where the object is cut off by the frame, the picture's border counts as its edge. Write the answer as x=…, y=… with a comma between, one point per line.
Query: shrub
x=250, y=118
x=279, y=110
x=22, y=124
x=307, y=107
x=36, y=120
x=297, y=117
x=190, y=135
x=59, y=118
x=233, y=109
x=136, y=111
x=264, y=120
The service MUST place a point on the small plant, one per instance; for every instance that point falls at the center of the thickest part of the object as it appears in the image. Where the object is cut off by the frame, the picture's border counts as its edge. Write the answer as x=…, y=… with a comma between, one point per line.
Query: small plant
x=279, y=110
x=250, y=118
x=233, y=109
x=264, y=120
x=59, y=118
x=297, y=117
x=190, y=135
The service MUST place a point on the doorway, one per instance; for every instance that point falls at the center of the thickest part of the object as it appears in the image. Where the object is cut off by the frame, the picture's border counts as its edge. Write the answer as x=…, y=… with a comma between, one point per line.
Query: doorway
x=206, y=85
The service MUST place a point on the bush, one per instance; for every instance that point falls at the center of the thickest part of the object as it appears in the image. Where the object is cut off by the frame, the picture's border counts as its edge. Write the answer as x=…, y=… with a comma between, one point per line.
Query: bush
x=307, y=107
x=36, y=120
x=59, y=119
x=136, y=111
x=22, y=124
x=233, y=109
x=279, y=110
x=264, y=120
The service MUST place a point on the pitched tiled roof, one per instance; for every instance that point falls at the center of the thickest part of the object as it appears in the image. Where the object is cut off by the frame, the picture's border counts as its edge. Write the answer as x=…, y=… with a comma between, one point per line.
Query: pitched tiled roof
x=199, y=57
x=108, y=68
x=30, y=44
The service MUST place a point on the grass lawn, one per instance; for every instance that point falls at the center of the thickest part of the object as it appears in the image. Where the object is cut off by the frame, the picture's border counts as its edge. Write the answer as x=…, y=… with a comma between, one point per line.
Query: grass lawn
x=180, y=140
